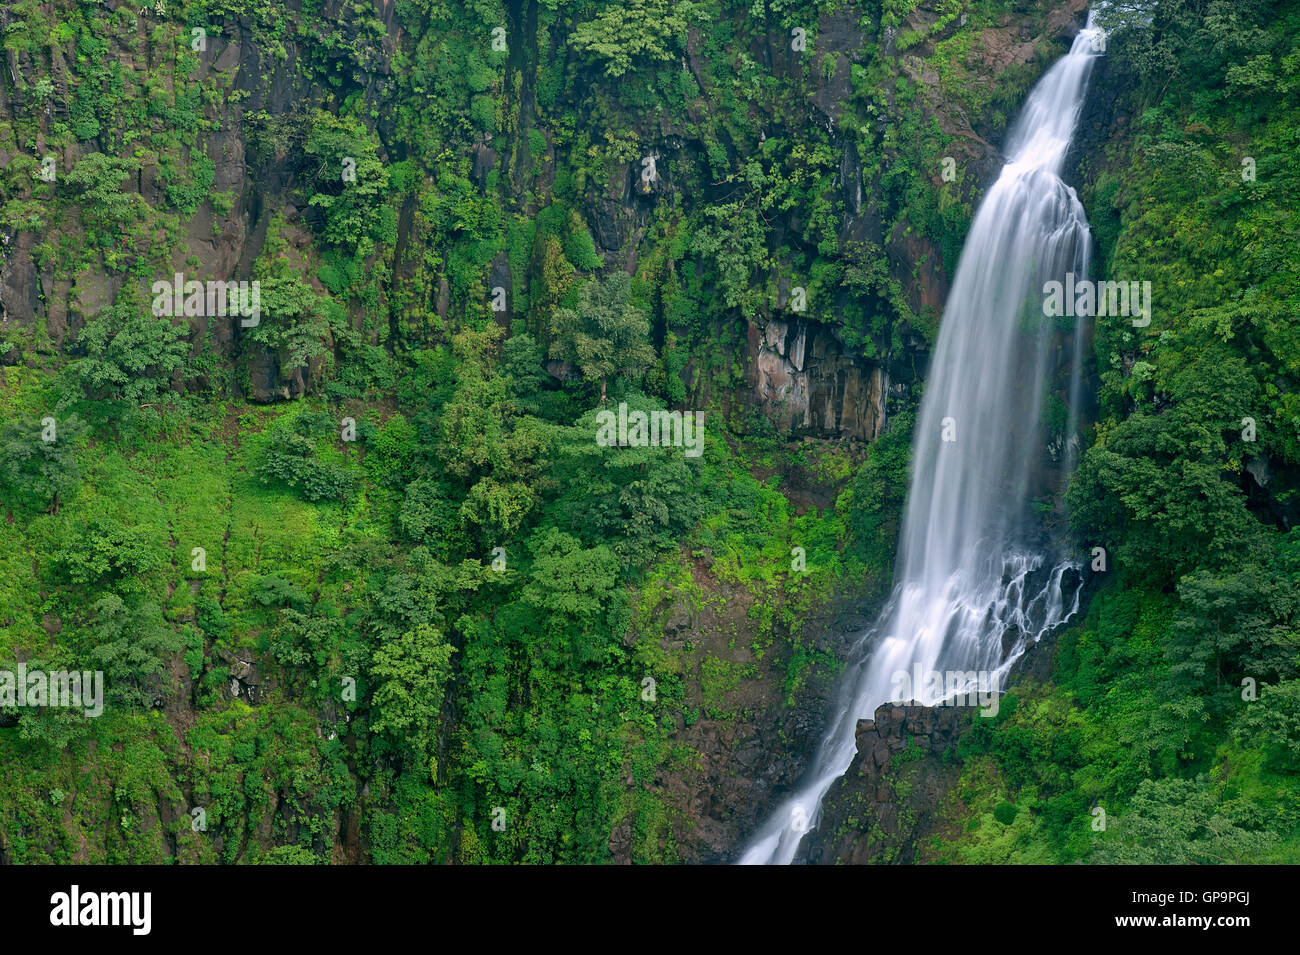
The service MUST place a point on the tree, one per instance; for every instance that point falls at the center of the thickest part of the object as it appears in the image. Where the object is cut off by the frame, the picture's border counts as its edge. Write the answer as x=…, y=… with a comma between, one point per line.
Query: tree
x=295, y=320
x=429, y=516
x=1165, y=505
x=874, y=497
x=1233, y=621
x=606, y=334
x=633, y=29
x=498, y=454
x=1179, y=822
x=291, y=459
x=576, y=590
x=130, y=355
x=104, y=550
x=131, y=645
x=734, y=241
x=288, y=855
x=350, y=181
x=497, y=509
x=43, y=472
x=107, y=208
x=412, y=674
x=1272, y=724
x=636, y=501
x=523, y=363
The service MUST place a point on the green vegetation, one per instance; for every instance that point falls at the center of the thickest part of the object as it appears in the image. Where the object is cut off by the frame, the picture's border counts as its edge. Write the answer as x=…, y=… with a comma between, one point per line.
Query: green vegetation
x=1172, y=704
x=362, y=583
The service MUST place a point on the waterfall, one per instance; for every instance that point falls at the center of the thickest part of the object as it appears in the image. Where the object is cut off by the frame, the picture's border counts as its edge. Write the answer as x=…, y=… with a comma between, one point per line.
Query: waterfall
x=972, y=570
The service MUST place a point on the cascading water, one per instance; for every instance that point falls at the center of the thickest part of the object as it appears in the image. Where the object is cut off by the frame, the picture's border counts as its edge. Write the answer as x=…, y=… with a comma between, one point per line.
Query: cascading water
x=969, y=572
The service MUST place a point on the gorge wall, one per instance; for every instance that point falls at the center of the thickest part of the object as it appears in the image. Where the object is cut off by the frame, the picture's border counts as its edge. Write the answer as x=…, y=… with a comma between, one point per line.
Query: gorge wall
x=802, y=371
x=793, y=248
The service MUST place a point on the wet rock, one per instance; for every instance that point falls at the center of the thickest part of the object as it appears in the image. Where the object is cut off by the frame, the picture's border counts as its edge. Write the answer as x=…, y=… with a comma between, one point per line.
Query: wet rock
x=19, y=285
x=804, y=381
x=485, y=160
x=868, y=815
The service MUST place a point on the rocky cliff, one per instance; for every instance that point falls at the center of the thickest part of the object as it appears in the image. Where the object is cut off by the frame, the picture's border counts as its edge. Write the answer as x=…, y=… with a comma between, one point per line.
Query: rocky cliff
x=792, y=247
x=899, y=797
x=893, y=796
x=245, y=100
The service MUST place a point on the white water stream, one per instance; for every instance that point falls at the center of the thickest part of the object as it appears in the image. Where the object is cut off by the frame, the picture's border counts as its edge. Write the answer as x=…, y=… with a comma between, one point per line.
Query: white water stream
x=969, y=572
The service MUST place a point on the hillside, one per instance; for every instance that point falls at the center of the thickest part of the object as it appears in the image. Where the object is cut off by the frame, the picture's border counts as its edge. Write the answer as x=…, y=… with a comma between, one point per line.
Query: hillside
x=363, y=587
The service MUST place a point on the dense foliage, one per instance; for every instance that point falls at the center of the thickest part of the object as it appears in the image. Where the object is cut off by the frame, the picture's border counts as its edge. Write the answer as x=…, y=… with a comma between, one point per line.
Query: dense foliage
x=1172, y=704
x=361, y=582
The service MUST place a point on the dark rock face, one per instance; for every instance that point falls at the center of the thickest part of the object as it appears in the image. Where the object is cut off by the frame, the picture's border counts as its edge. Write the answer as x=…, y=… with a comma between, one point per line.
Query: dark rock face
x=1105, y=118
x=805, y=381
x=216, y=242
x=900, y=789
x=890, y=798
x=749, y=755
x=748, y=747
x=800, y=374
x=19, y=284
